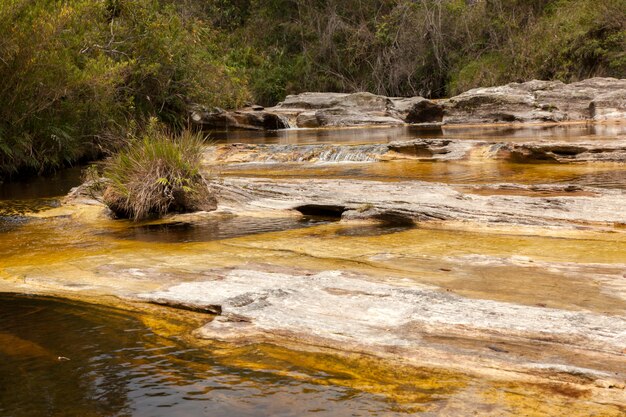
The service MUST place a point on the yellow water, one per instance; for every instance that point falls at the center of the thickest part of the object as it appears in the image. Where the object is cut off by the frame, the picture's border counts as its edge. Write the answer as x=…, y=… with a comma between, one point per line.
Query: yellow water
x=452, y=172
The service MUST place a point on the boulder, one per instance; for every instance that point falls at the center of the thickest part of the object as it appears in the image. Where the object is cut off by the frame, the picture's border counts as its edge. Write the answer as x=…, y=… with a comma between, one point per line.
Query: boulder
x=509, y=103
x=540, y=101
x=342, y=116
x=247, y=118
x=424, y=111
x=609, y=106
x=529, y=102
x=311, y=100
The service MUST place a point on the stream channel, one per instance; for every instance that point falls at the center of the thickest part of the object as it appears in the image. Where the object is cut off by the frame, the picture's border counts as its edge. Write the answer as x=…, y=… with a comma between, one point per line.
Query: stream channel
x=70, y=347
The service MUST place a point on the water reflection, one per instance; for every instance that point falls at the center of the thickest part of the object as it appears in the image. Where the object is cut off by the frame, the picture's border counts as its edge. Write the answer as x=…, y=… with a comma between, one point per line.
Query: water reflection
x=450, y=172
x=119, y=367
x=399, y=133
x=215, y=228
x=41, y=187
x=37, y=193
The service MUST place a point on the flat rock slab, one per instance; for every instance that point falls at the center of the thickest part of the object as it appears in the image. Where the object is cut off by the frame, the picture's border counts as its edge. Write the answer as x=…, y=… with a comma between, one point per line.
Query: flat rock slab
x=337, y=309
x=420, y=201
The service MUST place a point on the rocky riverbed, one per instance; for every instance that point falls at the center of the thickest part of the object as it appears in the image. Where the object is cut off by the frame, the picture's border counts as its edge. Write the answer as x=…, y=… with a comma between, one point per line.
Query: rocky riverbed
x=496, y=259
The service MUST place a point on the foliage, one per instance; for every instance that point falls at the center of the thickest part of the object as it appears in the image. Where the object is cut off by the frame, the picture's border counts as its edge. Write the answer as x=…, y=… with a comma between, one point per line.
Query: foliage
x=156, y=174
x=432, y=48
x=75, y=74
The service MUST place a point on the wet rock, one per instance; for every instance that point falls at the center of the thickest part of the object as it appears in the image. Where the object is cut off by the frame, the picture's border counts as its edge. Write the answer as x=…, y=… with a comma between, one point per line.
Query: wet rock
x=182, y=305
x=307, y=119
x=422, y=149
x=431, y=149
x=559, y=152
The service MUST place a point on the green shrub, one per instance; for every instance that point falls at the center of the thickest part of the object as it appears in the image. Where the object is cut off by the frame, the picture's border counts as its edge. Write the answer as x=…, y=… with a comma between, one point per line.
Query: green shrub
x=74, y=74
x=156, y=174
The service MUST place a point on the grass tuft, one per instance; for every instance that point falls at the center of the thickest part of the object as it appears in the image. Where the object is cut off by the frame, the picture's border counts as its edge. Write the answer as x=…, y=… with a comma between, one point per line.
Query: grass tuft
x=158, y=173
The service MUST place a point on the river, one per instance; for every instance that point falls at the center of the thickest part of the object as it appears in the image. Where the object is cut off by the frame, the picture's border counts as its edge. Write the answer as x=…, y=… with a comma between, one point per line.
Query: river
x=75, y=340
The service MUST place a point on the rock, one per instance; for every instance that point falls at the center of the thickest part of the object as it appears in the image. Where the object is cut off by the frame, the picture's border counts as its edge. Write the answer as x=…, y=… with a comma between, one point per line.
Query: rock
x=249, y=119
x=540, y=101
x=559, y=152
x=307, y=119
x=311, y=101
x=402, y=105
x=341, y=116
x=181, y=305
x=609, y=106
x=338, y=109
x=420, y=149
x=424, y=111
x=338, y=309
x=420, y=201
x=510, y=103
x=532, y=101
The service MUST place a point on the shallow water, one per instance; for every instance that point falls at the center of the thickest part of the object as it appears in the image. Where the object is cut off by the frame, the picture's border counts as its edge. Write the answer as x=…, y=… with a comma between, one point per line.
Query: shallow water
x=127, y=364
x=73, y=359
x=37, y=193
x=217, y=228
x=390, y=134
x=116, y=365
x=451, y=172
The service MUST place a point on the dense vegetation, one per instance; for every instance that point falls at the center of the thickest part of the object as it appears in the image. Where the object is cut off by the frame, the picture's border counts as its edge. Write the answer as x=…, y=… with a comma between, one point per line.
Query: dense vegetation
x=432, y=48
x=77, y=75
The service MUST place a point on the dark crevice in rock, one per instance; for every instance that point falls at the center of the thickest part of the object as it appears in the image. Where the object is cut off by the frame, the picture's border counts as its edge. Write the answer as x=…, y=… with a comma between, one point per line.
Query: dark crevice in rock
x=321, y=210
x=198, y=308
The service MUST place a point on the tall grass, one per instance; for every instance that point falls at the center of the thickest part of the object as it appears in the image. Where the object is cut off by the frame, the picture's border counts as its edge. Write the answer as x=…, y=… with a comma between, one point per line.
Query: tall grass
x=158, y=173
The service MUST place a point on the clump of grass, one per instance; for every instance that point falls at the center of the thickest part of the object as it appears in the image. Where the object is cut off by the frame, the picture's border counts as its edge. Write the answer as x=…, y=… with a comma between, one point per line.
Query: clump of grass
x=157, y=174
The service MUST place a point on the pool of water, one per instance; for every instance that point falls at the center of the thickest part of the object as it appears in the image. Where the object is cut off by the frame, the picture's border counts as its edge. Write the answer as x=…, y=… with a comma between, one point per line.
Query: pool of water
x=37, y=193
x=450, y=172
x=215, y=228
x=390, y=134
x=70, y=359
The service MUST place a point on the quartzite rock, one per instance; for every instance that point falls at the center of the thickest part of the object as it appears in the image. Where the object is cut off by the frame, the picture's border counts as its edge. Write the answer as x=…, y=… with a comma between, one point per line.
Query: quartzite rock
x=598, y=99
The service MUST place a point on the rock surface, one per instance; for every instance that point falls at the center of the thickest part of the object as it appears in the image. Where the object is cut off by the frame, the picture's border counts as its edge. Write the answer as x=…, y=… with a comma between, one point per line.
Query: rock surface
x=419, y=201
x=355, y=310
x=250, y=118
x=335, y=308
x=595, y=99
x=540, y=101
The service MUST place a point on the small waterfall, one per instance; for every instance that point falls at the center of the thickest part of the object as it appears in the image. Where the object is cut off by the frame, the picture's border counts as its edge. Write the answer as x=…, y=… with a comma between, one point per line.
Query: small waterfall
x=317, y=153
x=419, y=149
